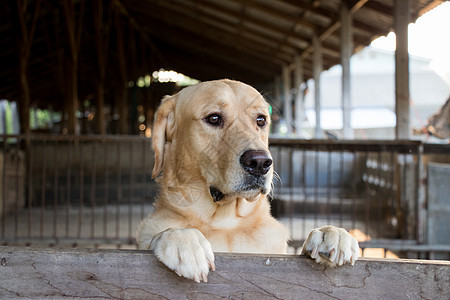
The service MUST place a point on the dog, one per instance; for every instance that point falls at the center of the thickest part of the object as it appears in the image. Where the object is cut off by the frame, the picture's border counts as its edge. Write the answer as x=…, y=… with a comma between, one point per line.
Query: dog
x=214, y=170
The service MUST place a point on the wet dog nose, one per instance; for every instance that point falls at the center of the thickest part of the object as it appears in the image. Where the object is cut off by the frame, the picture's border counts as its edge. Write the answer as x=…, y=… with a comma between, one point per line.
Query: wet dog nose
x=256, y=162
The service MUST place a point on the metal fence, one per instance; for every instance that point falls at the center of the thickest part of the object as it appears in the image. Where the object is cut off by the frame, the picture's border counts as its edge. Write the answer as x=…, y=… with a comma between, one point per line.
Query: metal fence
x=74, y=190
x=92, y=191
x=377, y=189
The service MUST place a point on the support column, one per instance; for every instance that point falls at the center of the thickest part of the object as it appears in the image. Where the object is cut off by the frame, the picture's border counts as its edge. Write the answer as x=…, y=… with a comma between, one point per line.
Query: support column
x=122, y=90
x=287, y=108
x=101, y=66
x=74, y=24
x=346, y=53
x=317, y=70
x=401, y=21
x=24, y=55
x=299, y=96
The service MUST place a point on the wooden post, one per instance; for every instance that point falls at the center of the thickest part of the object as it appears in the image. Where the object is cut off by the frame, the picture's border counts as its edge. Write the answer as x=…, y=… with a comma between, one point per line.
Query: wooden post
x=24, y=55
x=101, y=42
x=122, y=90
x=346, y=53
x=287, y=108
x=401, y=21
x=74, y=30
x=317, y=70
x=299, y=96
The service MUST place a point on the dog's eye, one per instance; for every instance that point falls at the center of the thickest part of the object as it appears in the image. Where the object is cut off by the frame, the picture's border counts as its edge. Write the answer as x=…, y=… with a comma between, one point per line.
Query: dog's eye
x=261, y=121
x=214, y=120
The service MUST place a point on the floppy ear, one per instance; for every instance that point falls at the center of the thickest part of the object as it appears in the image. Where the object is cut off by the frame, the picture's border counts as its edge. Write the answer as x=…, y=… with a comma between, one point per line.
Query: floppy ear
x=163, y=131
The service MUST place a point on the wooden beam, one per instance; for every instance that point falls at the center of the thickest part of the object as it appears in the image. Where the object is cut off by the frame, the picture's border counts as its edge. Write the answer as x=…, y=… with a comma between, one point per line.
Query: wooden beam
x=287, y=101
x=130, y=274
x=346, y=54
x=299, y=95
x=317, y=70
x=401, y=21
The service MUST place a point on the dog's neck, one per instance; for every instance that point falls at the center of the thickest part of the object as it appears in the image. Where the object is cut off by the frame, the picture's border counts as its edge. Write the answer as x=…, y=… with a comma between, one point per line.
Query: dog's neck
x=195, y=198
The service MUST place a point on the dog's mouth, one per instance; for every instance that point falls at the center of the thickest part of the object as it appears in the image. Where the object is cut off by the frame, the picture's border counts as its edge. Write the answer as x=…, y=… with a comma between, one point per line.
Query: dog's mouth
x=216, y=194
x=251, y=189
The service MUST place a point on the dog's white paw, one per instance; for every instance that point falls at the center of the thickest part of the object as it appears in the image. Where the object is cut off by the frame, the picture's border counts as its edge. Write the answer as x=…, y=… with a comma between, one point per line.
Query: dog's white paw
x=331, y=246
x=185, y=251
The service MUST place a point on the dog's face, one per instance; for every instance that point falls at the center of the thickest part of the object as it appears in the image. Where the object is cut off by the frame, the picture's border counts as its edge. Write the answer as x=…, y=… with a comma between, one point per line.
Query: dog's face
x=216, y=132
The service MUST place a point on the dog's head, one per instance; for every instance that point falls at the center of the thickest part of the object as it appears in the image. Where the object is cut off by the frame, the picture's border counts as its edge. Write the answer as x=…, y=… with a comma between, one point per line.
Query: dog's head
x=215, y=133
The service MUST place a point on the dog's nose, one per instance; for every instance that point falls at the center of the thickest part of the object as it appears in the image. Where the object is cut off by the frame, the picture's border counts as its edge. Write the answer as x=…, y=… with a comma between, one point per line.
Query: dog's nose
x=256, y=162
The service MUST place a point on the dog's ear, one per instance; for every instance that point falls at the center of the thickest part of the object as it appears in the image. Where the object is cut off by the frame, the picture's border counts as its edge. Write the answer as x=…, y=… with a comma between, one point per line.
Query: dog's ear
x=163, y=131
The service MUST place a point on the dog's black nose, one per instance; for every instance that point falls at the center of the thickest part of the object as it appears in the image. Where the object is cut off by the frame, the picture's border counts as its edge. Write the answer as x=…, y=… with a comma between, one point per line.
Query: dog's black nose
x=256, y=162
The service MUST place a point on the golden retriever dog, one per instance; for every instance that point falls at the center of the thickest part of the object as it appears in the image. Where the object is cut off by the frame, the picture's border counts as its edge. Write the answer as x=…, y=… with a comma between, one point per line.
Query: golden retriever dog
x=214, y=169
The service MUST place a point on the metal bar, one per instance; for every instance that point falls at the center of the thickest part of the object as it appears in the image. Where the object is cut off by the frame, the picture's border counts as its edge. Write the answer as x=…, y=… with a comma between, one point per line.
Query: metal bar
x=305, y=197
x=93, y=186
x=119, y=189
x=379, y=197
x=43, y=184
x=420, y=197
x=329, y=187
x=291, y=196
x=316, y=186
x=55, y=191
x=18, y=194
x=131, y=198
x=4, y=188
x=405, y=205
x=144, y=174
x=367, y=194
x=106, y=198
x=29, y=171
x=81, y=189
x=68, y=188
x=341, y=204
x=354, y=192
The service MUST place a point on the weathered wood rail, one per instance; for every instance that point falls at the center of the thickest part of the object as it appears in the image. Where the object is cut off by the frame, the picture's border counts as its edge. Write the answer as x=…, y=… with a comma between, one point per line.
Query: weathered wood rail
x=126, y=274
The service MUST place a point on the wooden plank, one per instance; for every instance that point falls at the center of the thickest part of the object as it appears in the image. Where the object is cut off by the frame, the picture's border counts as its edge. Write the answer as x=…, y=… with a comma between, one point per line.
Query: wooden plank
x=128, y=274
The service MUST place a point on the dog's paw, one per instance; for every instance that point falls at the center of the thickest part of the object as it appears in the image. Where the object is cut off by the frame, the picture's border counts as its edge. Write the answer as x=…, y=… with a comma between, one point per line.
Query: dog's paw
x=185, y=251
x=331, y=246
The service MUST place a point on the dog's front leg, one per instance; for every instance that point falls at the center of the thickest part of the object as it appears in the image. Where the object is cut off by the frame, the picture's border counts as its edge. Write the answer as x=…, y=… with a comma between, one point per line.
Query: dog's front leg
x=185, y=251
x=331, y=246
